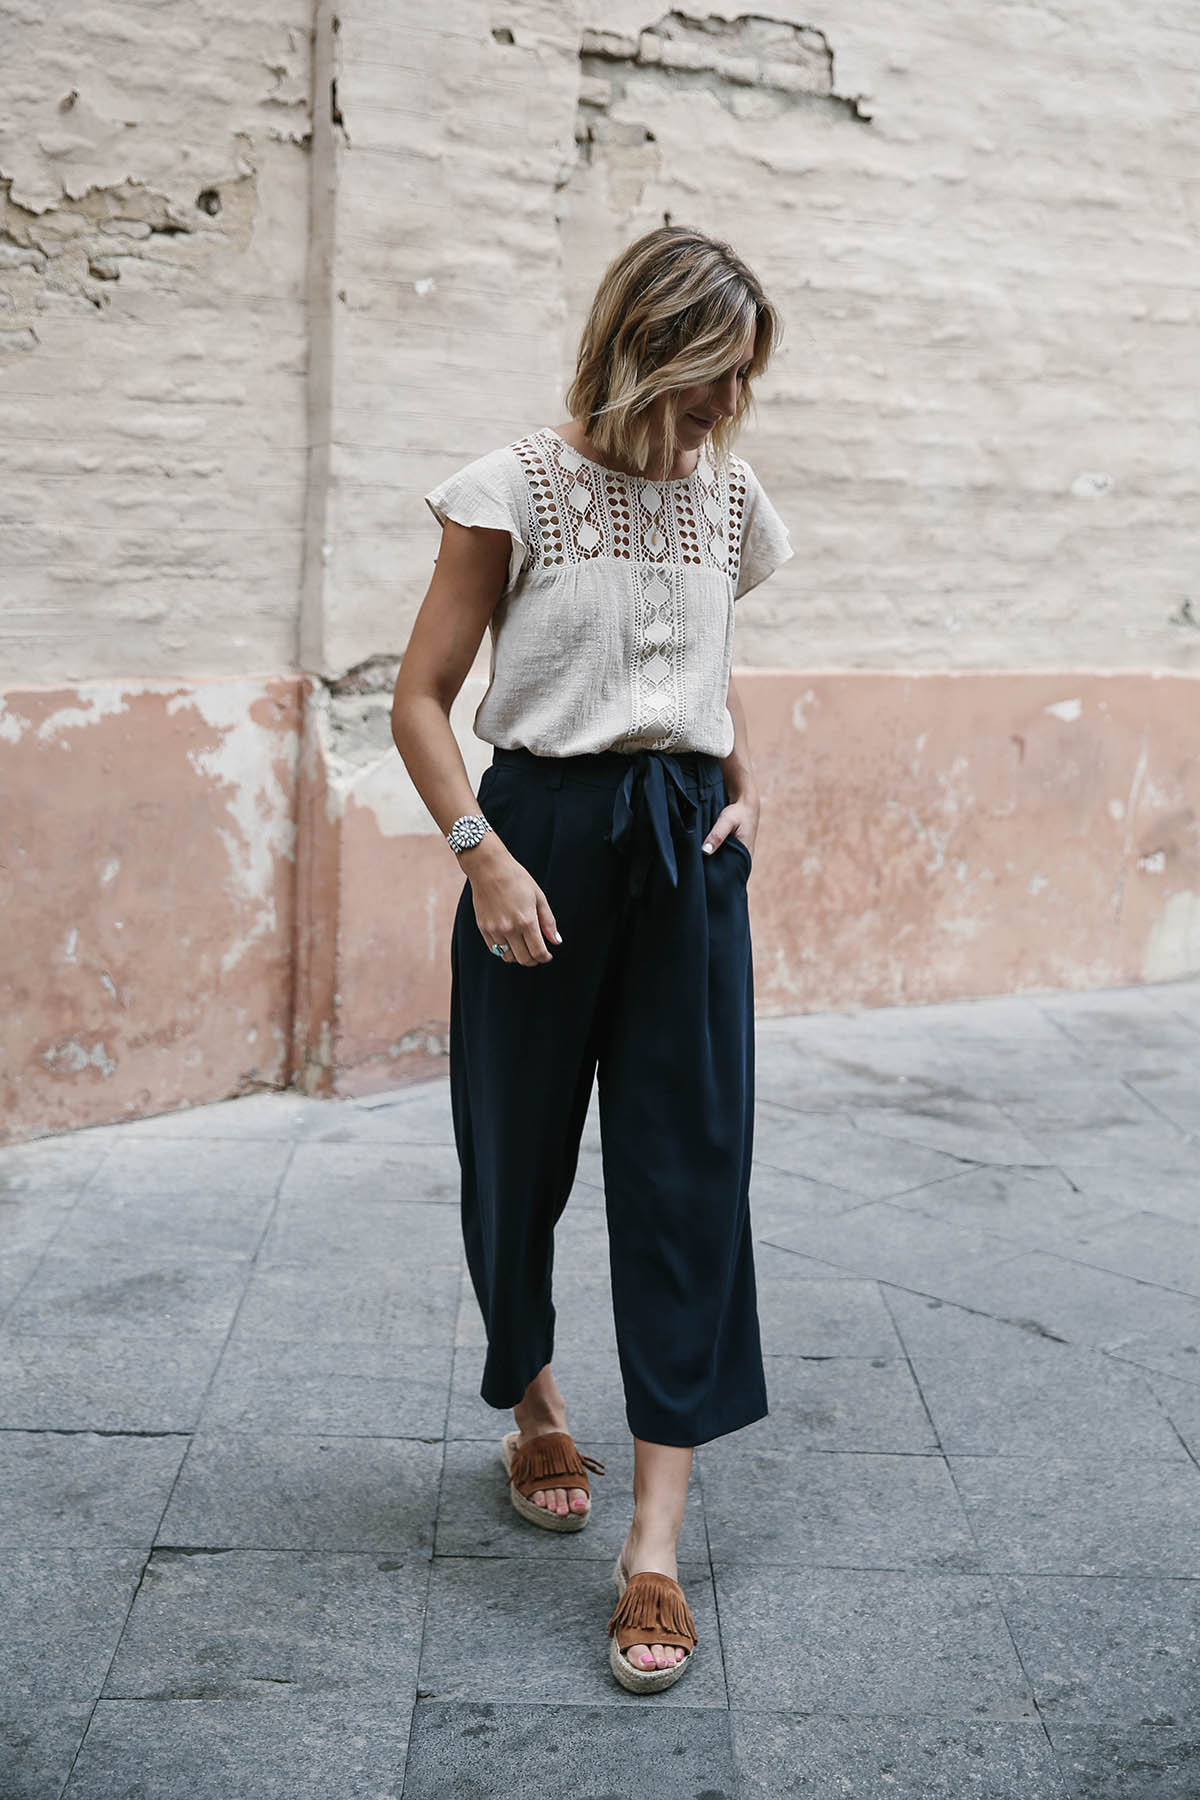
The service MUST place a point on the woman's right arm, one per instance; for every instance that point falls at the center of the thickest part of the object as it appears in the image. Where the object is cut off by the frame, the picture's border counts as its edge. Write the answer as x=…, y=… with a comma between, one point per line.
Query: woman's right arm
x=510, y=908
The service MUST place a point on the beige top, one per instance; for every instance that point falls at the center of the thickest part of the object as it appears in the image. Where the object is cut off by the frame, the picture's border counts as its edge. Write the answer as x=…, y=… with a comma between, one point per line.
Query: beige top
x=614, y=630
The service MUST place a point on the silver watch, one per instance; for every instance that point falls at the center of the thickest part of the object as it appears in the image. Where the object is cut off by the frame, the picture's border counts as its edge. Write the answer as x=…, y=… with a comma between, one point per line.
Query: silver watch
x=468, y=831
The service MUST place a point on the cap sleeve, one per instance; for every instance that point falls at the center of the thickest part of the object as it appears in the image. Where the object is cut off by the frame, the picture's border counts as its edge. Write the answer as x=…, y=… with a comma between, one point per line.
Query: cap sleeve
x=765, y=543
x=491, y=491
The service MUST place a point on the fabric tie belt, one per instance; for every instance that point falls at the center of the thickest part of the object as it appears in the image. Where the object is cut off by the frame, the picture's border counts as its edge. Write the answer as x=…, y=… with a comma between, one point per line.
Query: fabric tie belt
x=651, y=808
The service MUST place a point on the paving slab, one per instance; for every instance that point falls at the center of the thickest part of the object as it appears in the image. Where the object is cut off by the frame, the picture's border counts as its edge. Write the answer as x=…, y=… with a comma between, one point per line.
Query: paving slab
x=218, y=1749
x=273, y=1492
x=883, y=1241
x=30, y=1222
x=1028, y=1208
x=781, y=1200
x=467, y=1750
x=1058, y=1515
x=270, y=1115
x=859, y=1162
x=866, y=1641
x=55, y=1169
x=73, y=1490
x=246, y=1333
x=266, y=1625
x=16, y=1271
x=1128, y=1762
x=841, y=1403
x=1064, y=1297
x=381, y=1233
x=803, y=1315
x=109, y=1227
x=144, y=1165
x=1162, y=1181
x=140, y=1291
x=64, y=1610
x=385, y=1172
x=998, y=1388
x=834, y=1509
x=1143, y=1246
x=1174, y=1093
x=845, y=1758
x=392, y=1307
x=1180, y=1402
x=1107, y=1649
x=38, y=1742
x=315, y=1385
x=976, y=1131
x=105, y=1382
x=519, y=1630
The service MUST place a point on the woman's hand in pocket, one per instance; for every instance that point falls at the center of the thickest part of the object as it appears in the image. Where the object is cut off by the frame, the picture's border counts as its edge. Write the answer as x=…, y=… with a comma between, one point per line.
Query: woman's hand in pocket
x=738, y=819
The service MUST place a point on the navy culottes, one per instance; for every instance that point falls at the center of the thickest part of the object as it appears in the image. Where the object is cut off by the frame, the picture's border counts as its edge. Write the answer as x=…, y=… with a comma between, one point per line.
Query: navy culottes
x=651, y=992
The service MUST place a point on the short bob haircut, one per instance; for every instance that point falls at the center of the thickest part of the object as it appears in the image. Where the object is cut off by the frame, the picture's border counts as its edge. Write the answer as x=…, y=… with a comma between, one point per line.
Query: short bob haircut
x=672, y=310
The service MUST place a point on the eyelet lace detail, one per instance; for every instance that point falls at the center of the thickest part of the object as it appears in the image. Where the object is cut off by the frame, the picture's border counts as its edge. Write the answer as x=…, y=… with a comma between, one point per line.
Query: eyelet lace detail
x=582, y=512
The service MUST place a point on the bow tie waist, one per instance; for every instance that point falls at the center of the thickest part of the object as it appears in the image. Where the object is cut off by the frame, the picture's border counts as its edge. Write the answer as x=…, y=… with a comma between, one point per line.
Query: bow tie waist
x=651, y=808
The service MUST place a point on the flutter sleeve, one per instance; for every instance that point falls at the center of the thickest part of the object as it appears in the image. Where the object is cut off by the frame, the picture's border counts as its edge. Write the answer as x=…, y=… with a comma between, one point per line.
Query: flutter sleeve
x=490, y=491
x=765, y=542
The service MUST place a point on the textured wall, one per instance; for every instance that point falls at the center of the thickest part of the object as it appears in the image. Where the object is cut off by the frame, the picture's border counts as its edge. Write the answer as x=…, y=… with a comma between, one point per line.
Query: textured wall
x=980, y=226
x=146, y=897
x=153, y=338
x=265, y=276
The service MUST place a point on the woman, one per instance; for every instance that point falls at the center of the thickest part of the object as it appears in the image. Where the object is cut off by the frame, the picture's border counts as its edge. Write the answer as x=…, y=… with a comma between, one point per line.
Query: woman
x=603, y=927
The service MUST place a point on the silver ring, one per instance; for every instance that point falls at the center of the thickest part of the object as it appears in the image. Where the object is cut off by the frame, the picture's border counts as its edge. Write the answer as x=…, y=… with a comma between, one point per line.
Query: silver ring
x=499, y=949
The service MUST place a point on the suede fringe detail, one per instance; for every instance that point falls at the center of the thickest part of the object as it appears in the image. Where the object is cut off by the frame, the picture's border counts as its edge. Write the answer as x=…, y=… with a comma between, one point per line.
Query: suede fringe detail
x=652, y=1603
x=548, y=1461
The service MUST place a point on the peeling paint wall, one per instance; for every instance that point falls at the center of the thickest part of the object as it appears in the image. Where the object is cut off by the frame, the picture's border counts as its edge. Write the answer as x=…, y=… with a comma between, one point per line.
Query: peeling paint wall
x=266, y=277
x=153, y=337
x=146, y=897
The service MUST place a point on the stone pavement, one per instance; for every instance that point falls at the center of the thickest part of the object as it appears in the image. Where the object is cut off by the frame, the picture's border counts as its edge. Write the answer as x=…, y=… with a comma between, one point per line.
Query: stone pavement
x=254, y=1527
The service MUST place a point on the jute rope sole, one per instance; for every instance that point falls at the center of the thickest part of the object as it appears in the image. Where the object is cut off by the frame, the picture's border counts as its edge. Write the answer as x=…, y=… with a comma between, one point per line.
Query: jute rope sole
x=640, y=1681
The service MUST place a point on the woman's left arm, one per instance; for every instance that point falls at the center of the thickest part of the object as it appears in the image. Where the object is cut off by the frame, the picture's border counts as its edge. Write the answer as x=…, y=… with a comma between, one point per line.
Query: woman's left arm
x=740, y=816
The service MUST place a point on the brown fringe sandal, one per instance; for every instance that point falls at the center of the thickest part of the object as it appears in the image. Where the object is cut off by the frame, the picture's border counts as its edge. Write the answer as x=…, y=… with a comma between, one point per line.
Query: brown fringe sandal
x=651, y=1610
x=547, y=1461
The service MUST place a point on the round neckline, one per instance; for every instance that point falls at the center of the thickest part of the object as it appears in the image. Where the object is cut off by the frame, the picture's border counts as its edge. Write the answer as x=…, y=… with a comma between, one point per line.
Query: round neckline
x=647, y=480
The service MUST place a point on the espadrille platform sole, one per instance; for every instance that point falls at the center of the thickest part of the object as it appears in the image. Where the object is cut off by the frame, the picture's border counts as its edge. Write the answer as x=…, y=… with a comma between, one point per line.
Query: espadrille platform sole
x=651, y=1610
x=548, y=1461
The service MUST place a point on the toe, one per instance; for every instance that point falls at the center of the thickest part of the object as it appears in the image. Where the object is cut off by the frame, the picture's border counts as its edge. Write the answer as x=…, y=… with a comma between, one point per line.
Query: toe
x=539, y=1498
x=579, y=1500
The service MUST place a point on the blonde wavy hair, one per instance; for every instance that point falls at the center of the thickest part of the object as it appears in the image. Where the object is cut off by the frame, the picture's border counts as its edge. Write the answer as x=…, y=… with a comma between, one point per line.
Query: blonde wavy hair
x=672, y=310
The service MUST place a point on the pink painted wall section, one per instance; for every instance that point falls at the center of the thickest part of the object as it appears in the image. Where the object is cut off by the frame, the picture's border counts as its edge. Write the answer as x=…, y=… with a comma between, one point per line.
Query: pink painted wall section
x=923, y=838
x=146, y=897
x=930, y=837
x=398, y=901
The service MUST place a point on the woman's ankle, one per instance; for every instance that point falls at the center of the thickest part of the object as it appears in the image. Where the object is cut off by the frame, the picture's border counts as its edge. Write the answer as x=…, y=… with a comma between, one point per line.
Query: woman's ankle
x=653, y=1537
x=542, y=1406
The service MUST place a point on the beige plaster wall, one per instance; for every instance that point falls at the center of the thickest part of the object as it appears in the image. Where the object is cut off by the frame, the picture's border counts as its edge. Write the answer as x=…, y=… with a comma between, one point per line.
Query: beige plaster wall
x=266, y=276
x=153, y=337
x=979, y=224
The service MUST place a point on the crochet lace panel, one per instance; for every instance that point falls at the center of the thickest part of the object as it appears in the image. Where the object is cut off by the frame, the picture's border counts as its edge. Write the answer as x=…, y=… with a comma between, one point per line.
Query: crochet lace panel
x=582, y=512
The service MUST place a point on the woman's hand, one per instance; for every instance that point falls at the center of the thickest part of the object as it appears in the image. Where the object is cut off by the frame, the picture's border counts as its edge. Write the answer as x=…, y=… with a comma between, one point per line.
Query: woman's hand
x=510, y=907
x=738, y=819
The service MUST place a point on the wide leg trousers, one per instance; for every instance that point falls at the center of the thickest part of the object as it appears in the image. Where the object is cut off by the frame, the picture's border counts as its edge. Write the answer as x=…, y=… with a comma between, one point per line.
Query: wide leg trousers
x=651, y=992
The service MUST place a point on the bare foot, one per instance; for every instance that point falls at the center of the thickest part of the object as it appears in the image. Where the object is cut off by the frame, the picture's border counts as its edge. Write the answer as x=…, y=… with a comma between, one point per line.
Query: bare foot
x=656, y=1553
x=541, y=1411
